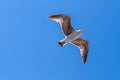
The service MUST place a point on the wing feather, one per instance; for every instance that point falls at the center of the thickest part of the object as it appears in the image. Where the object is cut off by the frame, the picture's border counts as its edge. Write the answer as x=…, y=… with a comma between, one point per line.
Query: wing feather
x=65, y=22
x=83, y=45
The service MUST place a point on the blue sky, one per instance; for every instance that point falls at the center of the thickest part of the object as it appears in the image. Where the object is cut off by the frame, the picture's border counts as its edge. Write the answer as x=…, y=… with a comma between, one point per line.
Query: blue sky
x=29, y=47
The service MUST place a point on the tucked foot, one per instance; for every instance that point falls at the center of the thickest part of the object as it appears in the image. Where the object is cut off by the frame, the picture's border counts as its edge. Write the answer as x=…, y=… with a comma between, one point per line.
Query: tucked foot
x=82, y=30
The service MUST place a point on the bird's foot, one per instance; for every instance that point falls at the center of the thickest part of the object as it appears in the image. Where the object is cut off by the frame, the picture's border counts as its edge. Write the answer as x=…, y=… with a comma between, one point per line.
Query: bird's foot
x=82, y=30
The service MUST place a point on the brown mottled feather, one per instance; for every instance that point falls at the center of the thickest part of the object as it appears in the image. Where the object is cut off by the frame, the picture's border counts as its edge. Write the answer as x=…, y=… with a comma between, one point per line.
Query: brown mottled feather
x=83, y=44
x=65, y=23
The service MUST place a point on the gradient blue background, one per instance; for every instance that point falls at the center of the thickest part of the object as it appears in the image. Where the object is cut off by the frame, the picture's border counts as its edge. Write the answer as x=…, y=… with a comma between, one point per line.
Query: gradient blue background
x=29, y=47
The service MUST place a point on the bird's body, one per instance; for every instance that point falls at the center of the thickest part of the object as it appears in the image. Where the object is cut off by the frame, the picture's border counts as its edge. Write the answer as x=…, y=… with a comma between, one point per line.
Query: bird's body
x=71, y=35
x=74, y=35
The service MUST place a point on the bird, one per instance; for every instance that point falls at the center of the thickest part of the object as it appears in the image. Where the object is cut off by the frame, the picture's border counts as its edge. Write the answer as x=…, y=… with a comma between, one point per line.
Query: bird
x=71, y=35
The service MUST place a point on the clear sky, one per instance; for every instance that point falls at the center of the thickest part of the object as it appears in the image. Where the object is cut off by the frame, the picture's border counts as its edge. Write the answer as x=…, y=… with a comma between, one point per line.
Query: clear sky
x=29, y=47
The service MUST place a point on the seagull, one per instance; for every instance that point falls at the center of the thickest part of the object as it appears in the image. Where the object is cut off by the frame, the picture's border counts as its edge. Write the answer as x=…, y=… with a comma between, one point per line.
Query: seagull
x=71, y=35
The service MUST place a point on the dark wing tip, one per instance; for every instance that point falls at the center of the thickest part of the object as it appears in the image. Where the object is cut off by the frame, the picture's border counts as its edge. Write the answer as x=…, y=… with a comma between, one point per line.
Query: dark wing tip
x=58, y=16
x=49, y=17
x=85, y=52
x=85, y=59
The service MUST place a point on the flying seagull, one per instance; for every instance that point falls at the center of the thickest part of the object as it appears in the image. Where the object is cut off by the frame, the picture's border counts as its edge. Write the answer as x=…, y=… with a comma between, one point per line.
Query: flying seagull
x=71, y=35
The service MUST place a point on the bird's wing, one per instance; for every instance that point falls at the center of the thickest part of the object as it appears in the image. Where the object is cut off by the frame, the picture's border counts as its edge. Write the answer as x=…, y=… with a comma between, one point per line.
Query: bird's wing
x=65, y=22
x=83, y=45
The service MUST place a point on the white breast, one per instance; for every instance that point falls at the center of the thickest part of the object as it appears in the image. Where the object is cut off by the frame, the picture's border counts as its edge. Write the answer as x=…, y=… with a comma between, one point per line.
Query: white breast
x=72, y=36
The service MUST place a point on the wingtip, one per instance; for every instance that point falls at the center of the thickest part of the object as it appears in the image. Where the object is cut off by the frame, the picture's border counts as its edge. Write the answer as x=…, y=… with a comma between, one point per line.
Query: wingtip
x=51, y=16
x=84, y=59
x=48, y=16
x=84, y=62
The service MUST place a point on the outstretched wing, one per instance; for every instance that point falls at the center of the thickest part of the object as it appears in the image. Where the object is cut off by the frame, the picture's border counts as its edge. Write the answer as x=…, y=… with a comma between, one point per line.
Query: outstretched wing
x=83, y=45
x=65, y=22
